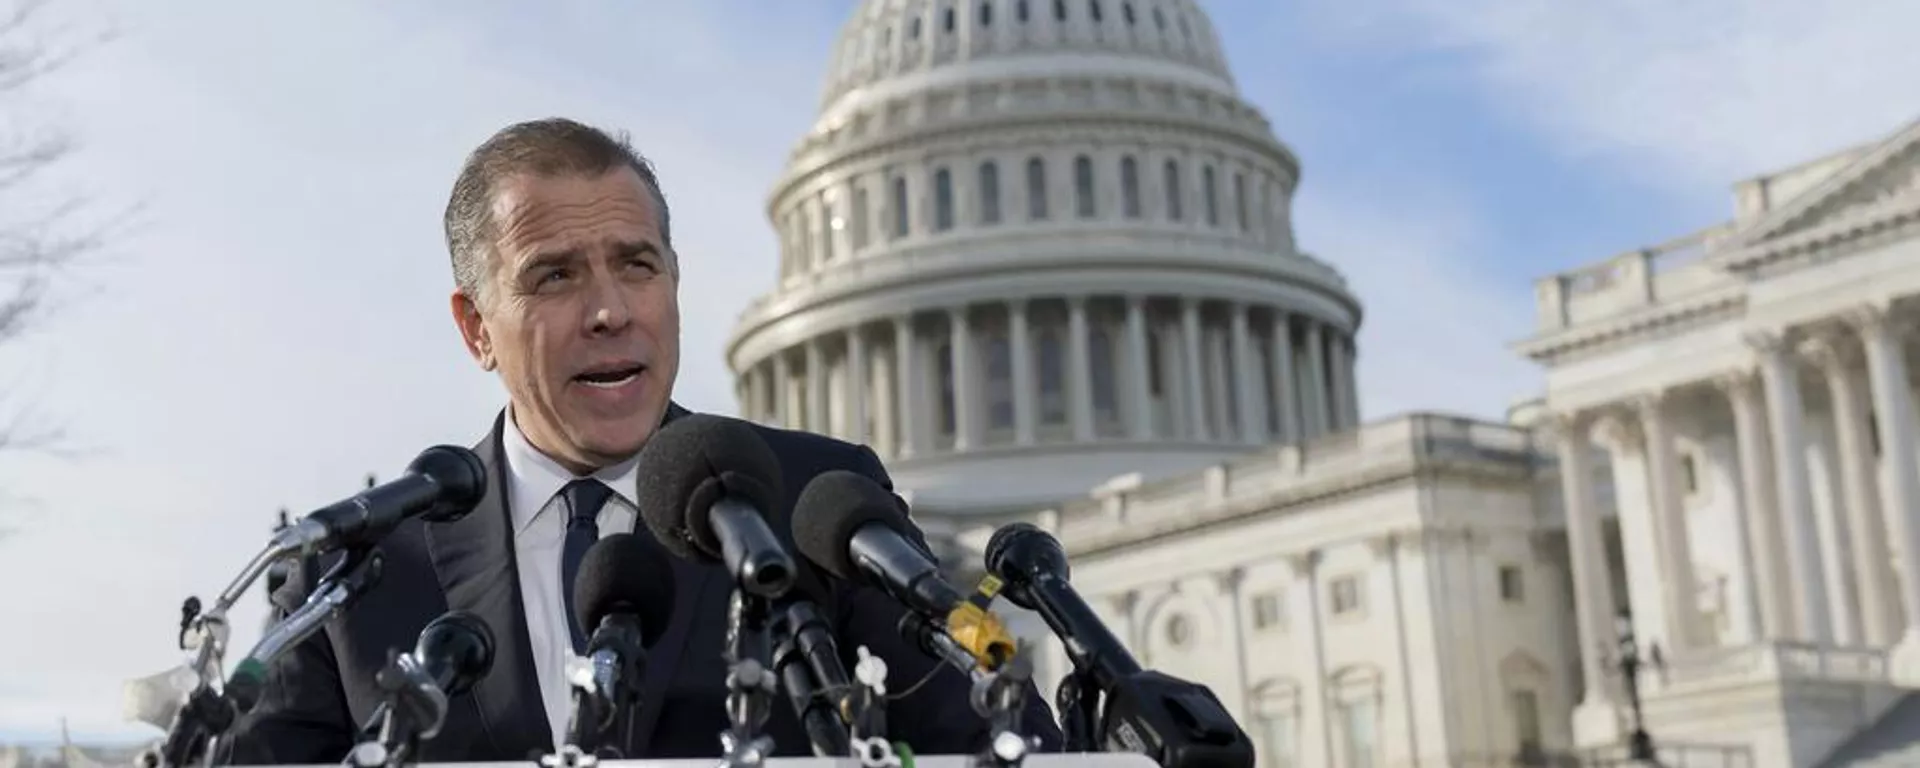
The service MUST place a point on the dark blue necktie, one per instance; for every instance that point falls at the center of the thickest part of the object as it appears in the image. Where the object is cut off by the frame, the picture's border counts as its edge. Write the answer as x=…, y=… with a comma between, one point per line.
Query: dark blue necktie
x=584, y=500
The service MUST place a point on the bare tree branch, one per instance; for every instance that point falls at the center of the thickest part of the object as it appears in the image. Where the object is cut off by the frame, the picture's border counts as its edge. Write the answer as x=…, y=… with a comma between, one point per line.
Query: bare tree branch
x=44, y=234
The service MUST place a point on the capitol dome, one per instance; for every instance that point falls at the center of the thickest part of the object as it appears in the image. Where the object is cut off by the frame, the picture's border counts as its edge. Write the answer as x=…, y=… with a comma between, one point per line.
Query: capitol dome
x=1031, y=246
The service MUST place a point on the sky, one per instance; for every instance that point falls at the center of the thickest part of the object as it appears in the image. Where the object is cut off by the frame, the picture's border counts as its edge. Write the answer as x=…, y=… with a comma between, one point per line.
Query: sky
x=274, y=325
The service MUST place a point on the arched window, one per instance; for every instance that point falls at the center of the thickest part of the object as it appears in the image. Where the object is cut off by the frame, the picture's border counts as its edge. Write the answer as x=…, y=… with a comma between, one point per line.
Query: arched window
x=989, y=193
x=859, y=212
x=1020, y=11
x=947, y=20
x=900, y=218
x=1129, y=187
x=1059, y=10
x=1036, y=189
x=1240, y=199
x=1093, y=9
x=1212, y=196
x=1276, y=724
x=1126, y=12
x=943, y=374
x=1174, y=199
x=1159, y=20
x=942, y=200
x=999, y=383
x=1100, y=361
x=1083, y=186
x=1356, y=714
x=986, y=13
x=913, y=29
x=1053, y=378
x=830, y=225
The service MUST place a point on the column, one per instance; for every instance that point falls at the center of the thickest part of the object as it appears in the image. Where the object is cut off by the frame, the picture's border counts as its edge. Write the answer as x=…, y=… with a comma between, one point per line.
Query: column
x=1314, y=394
x=1634, y=505
x=816, y=389
x=1303, y=605
x=1139, y=381
x=1670, y=522
x=964, y=365
x=906, y=354
x=1592, y=585
x=1342, y=389
x=883, y=404
x=1192, y=354
x=858, y=378
x=1079, y=371
x=1795, y=492
x=1286, y=393
x=1025, y=396
x=1253, y=417
x=1899, y=483
x=782, y=389
x=1765, y=551
x=1869, y=558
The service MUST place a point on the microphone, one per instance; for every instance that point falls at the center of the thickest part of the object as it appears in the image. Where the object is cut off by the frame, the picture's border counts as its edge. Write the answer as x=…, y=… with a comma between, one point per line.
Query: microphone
x=442, y=484
x=625, y=591
x=705, y=483
x=452, y=653
x=805, y=660
x=854, y=529
x=1178, y=723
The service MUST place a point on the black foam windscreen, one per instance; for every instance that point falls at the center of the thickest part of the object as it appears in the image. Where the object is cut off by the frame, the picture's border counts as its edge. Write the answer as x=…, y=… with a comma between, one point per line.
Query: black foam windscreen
x=831, y=509
x=621, y=573
x=691, y=463
x=461, y=476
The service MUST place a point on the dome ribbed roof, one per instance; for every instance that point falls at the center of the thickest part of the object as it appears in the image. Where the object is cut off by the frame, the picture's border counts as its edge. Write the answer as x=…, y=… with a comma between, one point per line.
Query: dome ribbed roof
x=894, y=45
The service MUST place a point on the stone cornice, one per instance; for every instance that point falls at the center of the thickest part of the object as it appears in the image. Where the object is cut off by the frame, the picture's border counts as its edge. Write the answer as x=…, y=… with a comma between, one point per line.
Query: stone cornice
x=1138, y=532
x=1795, y=249
x=1615, y=332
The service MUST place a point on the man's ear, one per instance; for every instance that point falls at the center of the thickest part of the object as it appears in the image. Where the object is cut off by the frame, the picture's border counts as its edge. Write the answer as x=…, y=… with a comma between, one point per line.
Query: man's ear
x=473, y=330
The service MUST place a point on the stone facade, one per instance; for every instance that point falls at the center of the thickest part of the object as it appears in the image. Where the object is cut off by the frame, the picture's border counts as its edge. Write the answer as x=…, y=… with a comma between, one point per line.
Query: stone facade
x=1039, y=255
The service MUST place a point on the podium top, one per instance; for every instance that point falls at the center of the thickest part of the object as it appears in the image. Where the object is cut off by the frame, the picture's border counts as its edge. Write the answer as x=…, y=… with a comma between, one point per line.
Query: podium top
x=1049, y=760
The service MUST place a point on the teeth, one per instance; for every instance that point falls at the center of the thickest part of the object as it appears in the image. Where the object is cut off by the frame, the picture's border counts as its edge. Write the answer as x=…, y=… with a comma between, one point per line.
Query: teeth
x=620, y=382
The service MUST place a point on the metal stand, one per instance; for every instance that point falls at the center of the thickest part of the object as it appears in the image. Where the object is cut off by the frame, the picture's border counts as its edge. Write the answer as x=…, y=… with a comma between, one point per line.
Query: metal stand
x=394, y=738
x=750, y=683
x=1001, y=697
x=868, y=713
x=1078, y=699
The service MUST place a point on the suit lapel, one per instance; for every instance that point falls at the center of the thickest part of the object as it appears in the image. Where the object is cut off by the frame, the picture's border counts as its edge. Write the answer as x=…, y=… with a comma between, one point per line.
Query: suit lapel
x=474, y=558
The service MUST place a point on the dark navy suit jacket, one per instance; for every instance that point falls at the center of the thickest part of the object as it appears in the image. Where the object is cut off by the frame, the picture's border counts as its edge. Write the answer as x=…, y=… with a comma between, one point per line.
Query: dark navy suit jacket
x=318, y=692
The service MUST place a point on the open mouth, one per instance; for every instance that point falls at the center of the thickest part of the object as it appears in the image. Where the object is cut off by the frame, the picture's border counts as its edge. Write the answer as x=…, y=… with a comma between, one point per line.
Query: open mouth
x=611, y=377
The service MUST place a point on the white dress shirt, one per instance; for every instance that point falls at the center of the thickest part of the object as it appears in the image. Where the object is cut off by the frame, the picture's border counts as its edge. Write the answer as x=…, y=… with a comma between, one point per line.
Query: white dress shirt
x=539, y=538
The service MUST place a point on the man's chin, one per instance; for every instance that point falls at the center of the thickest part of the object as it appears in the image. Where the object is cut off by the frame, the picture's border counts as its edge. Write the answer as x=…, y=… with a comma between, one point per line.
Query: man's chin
x=624, y=439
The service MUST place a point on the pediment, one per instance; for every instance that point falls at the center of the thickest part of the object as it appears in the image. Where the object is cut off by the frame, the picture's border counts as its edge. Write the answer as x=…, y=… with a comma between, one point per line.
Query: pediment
x=1883, y=178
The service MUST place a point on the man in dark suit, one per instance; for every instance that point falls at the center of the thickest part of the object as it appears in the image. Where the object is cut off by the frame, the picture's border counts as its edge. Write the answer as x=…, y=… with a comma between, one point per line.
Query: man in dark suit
x=567, y=286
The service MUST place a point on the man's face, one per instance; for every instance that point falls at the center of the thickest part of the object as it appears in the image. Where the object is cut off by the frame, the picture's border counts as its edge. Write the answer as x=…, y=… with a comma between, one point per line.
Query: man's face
x=580, y=314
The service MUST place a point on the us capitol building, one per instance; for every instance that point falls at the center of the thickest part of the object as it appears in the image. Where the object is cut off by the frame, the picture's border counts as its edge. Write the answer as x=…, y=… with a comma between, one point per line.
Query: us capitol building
x=1039, y=255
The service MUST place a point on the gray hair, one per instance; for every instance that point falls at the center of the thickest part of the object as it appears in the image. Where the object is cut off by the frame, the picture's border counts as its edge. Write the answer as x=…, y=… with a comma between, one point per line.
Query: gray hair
x=550, y=147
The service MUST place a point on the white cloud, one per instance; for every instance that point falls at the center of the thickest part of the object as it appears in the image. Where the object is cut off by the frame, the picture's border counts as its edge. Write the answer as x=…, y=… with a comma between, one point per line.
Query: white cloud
x=1691, y=96
x=1434, y=333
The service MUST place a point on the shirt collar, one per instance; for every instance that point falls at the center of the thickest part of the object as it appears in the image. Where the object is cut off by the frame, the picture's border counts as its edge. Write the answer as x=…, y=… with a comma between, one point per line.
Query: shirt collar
x=534, y=478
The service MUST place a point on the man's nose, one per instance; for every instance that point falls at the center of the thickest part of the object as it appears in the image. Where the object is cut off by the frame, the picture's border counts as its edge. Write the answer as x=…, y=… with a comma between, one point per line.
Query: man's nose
x=607, y=310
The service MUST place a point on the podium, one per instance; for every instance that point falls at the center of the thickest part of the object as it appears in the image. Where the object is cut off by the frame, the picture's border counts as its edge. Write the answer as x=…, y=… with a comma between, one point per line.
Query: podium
x=1072, y=760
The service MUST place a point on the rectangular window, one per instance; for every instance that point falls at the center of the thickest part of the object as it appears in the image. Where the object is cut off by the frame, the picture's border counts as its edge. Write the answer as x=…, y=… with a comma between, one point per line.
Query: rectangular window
x=1512, y=584
x=1267, y=610
x=1344, y=595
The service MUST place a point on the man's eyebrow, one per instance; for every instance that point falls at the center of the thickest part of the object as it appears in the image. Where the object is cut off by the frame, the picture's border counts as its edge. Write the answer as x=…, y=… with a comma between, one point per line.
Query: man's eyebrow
x=552, y=258
x=636, y=247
